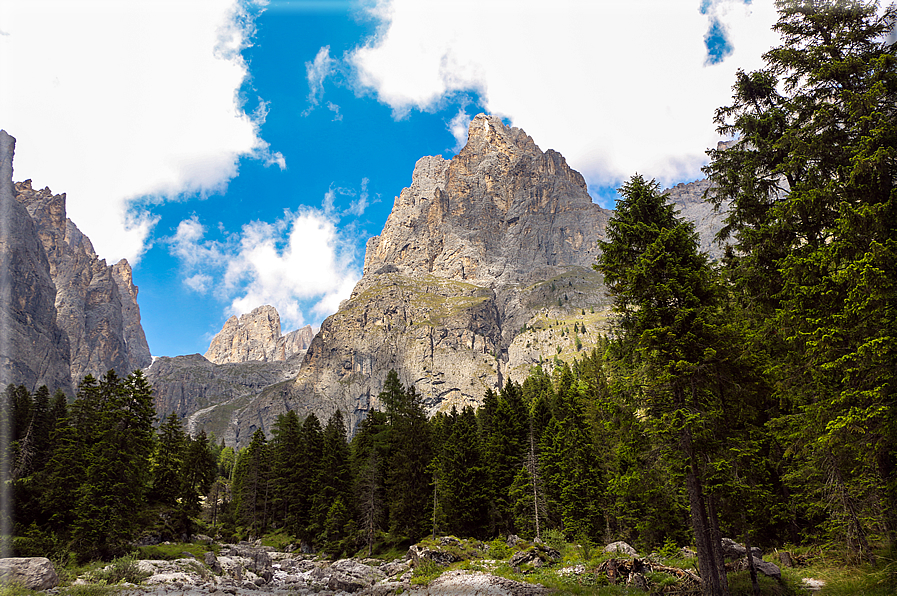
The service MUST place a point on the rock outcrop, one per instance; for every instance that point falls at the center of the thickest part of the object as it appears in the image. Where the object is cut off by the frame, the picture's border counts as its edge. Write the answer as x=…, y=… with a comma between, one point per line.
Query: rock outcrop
x=257, y=337
x=211, y=397
x=30, y=573
x=34, y=350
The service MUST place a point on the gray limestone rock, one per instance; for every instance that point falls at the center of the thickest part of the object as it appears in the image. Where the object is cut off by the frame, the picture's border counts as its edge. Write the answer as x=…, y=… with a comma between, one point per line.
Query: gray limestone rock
x=34, y=349
x=474, y=250
x=96, y=303
x=215, y=397
x=32, y=573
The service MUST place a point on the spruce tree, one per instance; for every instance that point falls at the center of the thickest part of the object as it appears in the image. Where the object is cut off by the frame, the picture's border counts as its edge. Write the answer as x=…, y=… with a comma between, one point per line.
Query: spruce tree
x=168, y=460
x=667, y=305
x=407, y=481
x=252, y=486
x=463, y=478
x=288, y=461
x=810, y=189
x=312, y=448
x=114, y=432
x=198, y=471
x=333, y=491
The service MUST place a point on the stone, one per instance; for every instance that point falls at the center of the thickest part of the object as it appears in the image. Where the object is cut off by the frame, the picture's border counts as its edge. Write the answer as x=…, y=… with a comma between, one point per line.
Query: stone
x=211, y=562
x=734, y=550
x=622, y=548
x=537, y=556
x=440, y=557
x=767, y=568
x=31, y=573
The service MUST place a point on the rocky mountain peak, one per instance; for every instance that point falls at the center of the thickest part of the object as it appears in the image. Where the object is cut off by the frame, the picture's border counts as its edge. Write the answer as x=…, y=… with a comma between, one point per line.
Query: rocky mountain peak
x=501, y=210
x=256, y=336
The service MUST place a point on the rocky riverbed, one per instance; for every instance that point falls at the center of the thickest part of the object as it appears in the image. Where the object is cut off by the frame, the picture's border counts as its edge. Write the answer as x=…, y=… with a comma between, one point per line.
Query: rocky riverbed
x=242, y=569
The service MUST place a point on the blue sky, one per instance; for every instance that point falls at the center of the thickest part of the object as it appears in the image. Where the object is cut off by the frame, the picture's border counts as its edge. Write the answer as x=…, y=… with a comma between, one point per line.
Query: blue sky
x=241, y=153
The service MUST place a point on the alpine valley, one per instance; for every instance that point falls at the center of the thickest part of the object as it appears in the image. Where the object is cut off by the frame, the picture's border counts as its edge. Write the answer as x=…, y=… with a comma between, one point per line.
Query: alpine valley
x=483, y=270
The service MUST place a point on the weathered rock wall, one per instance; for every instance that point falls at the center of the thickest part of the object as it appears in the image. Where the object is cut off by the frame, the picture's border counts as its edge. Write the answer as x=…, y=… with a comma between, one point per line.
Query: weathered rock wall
x=34, y=350
x=96, y=304
x=461, y=266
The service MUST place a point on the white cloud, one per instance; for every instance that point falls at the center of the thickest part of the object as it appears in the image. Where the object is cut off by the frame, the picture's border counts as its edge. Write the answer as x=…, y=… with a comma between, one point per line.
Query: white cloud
x=119, y=104
x=302, y=264
x=316, y=72
x=458, y=127
x=617, y=87
x=357, y=206
x=335, y=109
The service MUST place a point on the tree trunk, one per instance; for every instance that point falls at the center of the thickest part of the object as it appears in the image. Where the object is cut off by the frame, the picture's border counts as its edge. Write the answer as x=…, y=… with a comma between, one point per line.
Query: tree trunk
x=750, y=558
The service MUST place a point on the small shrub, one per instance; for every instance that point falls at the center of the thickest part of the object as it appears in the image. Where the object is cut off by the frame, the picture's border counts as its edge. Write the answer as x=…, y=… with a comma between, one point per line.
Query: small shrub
x=425, y=571
x=122, y=569
x=669, y=550
x=498, y=549
x=556, y=539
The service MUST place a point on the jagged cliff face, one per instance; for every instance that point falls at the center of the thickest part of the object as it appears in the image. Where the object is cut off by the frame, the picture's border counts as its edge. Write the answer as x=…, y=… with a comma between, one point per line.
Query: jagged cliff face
x=57, y=275
x=96, y=303
x=500, y=212
x=257, y=337
x=479, y=250
x=34, y=350
x=247, y=357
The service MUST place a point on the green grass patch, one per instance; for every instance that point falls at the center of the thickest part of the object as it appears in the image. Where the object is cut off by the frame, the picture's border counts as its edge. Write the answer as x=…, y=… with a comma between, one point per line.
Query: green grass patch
x=426, y=571
x=122, y=569
x=176, y=550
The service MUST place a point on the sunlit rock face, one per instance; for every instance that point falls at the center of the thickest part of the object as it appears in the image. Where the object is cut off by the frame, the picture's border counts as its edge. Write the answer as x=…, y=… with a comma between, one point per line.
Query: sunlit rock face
x=256, y=336
x=96, y=303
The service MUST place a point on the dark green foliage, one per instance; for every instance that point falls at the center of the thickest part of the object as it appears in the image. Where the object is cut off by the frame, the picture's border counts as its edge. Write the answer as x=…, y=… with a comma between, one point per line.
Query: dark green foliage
x=333, y=497
x=407, y=481
x=252, y=487
x=369, y=456
x=503, y=453
x=288, y=469
x=463, y=478
x=198, y=471
x=813, y=206
x=168, y=460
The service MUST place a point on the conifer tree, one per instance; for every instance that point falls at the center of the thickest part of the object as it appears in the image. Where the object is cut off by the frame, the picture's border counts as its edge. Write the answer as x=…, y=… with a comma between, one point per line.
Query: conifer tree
x=463, y=477
x=812, y=201
x=668, y=306
x=408, y=483
x=287, y=470
x=198, y=471
x=313, y=446
x=504, y=453
x=114, y=430
x=168, y=460
x=369, y=451
x=251, y=484
x=333, y=492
